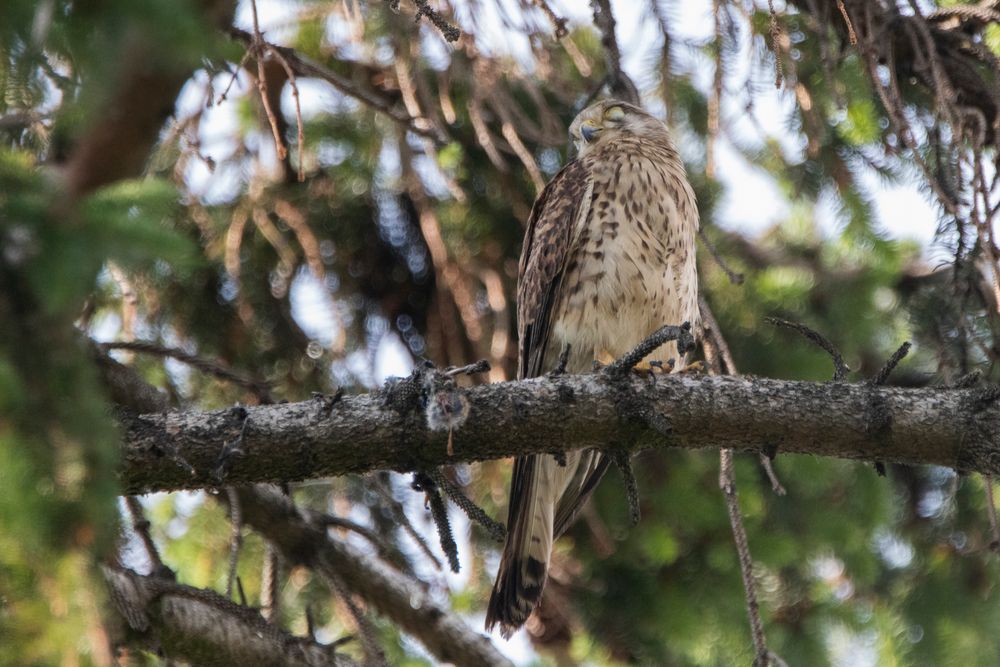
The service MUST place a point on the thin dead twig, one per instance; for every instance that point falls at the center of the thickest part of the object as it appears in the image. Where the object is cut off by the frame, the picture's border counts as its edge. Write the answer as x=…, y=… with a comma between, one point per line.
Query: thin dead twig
x=374, y=656
x=851, y=35
x=331, y=521
x=260, y=388
x=840, y=368
x=619, y=82
x=734, y=277
x=891, y=364
x=305, y=67
x=236, y=73
x=141, y=525
x=235, y=537
x=715, y=99
x=404, y=521
x=258, y=47
x=301, y=136
x=727, y=483
x=270, y=587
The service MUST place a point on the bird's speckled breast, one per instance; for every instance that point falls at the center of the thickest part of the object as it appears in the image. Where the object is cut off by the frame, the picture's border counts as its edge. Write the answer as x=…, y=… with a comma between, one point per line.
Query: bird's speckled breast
x=631, y=268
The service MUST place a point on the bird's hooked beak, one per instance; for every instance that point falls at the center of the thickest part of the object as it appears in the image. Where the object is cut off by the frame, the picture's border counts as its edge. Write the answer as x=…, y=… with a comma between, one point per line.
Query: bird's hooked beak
x=588, y=130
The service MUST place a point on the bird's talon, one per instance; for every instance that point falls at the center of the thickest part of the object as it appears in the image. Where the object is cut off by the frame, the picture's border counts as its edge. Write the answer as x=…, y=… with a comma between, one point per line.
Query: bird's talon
x=650, y=369
x=603, y=360
x=693, y=367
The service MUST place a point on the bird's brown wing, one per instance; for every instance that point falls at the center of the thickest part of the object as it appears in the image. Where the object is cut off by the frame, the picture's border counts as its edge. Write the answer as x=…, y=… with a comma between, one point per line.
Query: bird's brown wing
x=544, y=254
x=563, y=204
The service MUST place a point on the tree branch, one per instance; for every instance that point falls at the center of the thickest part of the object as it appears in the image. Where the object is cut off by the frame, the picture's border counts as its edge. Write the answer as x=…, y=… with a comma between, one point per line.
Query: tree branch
x=388, y=429
x=306, y=67
x=303, y=540
x=301, y=536
x=202, y=627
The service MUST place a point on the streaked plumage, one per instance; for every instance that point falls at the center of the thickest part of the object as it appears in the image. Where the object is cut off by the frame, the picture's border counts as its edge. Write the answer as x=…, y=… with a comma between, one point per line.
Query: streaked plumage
x=608, y=257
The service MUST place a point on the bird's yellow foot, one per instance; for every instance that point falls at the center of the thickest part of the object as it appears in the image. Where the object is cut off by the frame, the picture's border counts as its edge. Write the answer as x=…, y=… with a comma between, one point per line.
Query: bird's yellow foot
x=655, y=366
x=602, y=360
x=650, y=369
x=646, y=369
x=693, y=367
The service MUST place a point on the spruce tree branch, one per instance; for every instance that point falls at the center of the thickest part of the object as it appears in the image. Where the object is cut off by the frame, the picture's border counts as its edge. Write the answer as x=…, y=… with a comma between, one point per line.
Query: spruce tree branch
x=956, y=428
x=397, y=597
x=202, y=627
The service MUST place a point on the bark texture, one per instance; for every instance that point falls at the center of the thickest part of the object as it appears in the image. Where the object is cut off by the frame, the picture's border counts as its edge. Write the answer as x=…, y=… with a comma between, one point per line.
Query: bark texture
x=406, y=426
x=204, y=628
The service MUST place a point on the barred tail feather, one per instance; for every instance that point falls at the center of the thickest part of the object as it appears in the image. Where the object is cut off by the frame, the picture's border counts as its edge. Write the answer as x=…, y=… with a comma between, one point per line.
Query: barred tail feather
x=516, y=593
x=525, y=558
x=545, y=496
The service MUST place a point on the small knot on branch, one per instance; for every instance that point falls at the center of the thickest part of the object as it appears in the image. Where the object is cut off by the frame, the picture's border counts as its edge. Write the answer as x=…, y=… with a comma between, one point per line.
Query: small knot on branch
x=406, y=394
x=563, y=361
x=327, y=401
x=447, y=407
x=968, y=380
x=443, y=402
x=231, y=449
x=985, y=397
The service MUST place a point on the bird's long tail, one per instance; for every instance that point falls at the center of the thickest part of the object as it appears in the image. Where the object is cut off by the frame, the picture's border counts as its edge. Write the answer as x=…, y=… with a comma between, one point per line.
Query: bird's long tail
x=545, y=497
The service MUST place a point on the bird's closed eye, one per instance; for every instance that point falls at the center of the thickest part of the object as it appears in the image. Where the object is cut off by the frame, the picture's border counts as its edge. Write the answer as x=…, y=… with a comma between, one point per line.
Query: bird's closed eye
x=615, y=114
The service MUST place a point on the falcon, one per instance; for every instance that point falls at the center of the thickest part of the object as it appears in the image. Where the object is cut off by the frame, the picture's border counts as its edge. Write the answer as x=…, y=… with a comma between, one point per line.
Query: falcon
x=608, y=258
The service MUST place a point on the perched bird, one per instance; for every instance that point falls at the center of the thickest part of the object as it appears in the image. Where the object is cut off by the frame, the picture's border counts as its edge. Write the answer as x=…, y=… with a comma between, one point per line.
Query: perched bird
x=608, y=257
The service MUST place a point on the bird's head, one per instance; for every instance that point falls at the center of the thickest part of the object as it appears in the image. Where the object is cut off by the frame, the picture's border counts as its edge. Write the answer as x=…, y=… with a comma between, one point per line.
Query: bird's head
x=603, y=121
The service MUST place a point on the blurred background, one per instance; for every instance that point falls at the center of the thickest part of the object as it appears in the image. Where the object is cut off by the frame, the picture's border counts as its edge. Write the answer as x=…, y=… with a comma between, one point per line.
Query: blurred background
x=326, y=214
